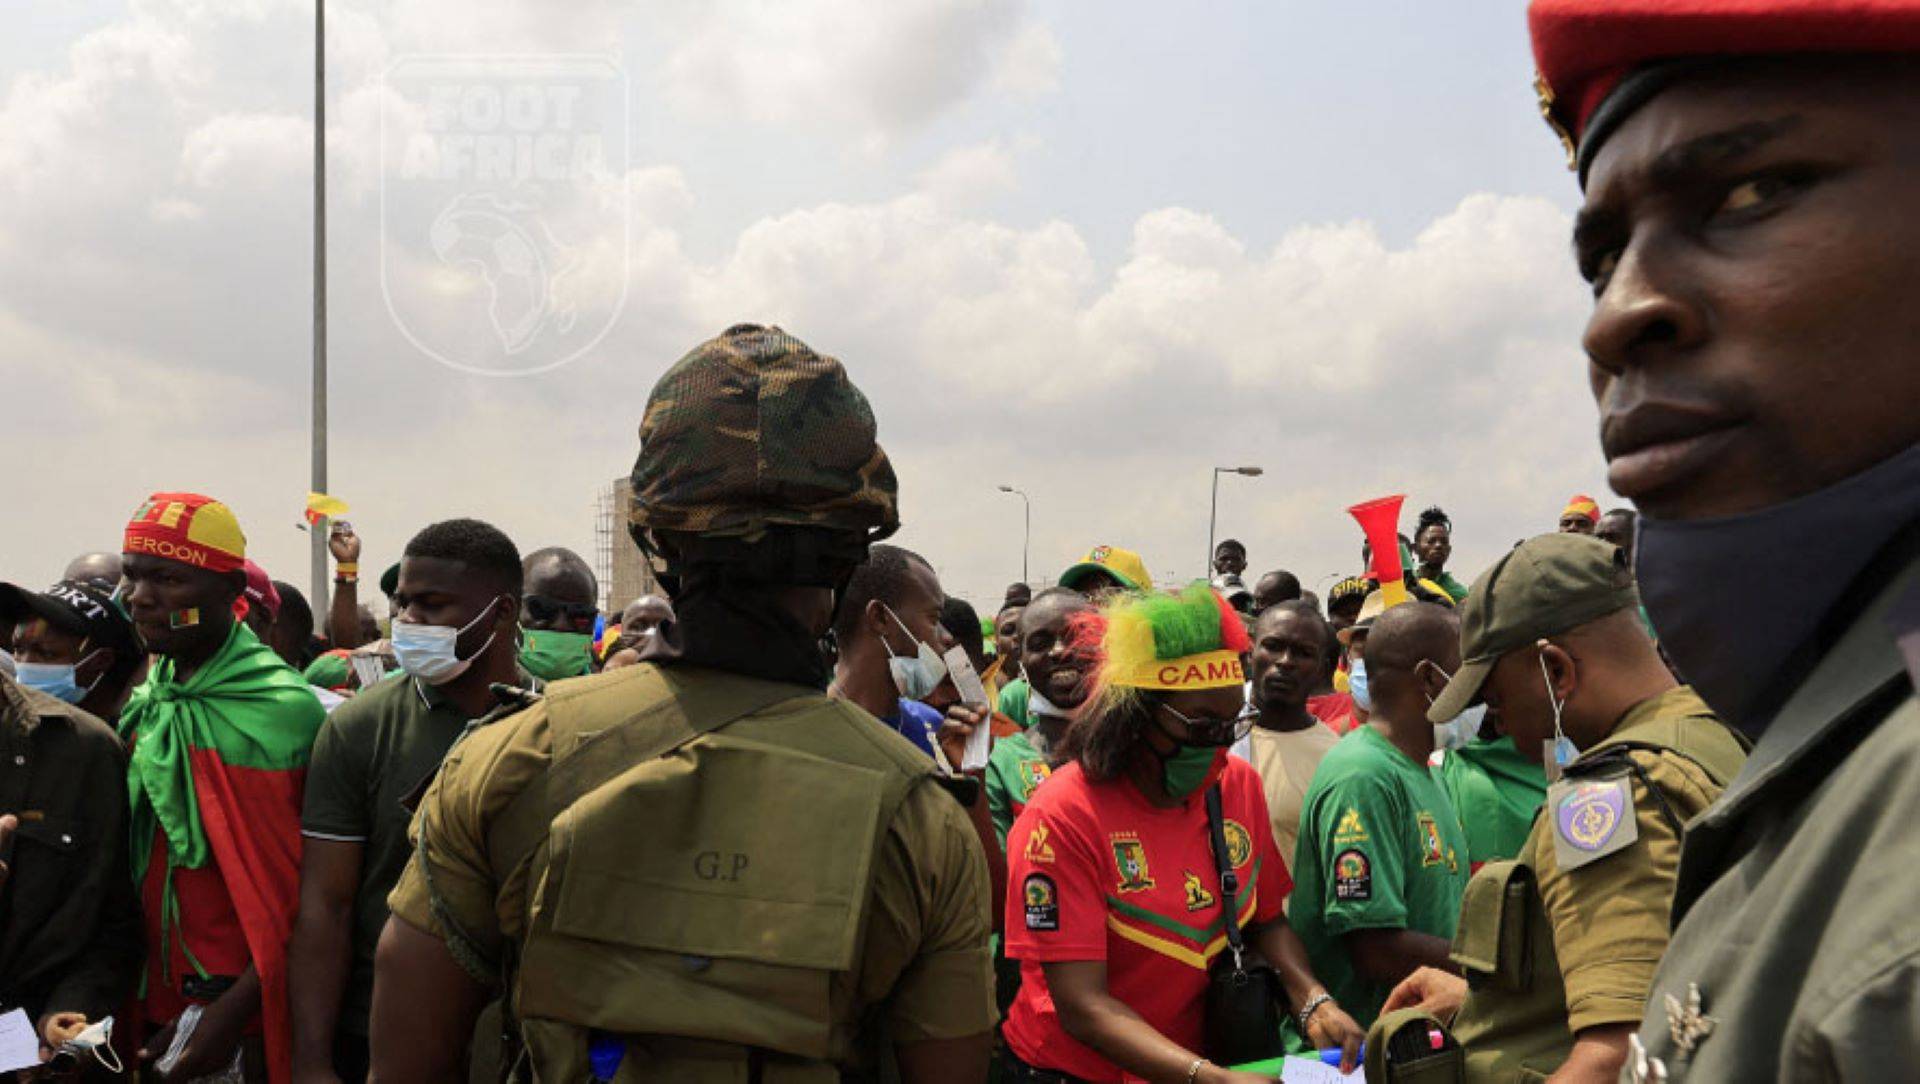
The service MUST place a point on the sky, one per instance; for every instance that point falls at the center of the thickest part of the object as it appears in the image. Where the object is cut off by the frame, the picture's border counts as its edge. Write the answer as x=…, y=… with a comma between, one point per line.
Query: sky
x=1089, y=250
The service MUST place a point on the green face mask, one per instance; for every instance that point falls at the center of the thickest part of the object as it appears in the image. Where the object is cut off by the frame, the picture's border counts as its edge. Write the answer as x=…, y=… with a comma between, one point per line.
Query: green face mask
x=1187, y=769
x=550, y=655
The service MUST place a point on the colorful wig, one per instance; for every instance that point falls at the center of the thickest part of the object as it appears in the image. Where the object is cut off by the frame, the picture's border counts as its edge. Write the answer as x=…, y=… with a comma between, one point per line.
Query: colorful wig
x=1192, y=640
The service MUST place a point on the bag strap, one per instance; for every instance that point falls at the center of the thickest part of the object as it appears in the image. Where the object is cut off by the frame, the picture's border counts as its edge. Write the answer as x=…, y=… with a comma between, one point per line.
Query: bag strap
x=1229, y=881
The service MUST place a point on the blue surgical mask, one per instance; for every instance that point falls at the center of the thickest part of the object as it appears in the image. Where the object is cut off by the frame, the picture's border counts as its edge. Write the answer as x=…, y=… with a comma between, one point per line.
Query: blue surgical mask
x=431, y=652
x=1357, y=685
x=916, y=675
x=55, y=679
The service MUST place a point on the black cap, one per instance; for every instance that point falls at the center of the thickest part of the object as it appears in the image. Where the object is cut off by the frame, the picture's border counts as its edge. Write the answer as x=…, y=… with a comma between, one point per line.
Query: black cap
x=81, y=609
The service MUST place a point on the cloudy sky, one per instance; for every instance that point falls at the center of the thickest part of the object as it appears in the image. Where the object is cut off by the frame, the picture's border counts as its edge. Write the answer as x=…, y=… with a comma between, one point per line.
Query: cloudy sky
x=1088, y=249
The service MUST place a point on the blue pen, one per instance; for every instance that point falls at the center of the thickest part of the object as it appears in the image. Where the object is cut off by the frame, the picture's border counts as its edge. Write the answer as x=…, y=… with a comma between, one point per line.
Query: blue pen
x=1332, y=1056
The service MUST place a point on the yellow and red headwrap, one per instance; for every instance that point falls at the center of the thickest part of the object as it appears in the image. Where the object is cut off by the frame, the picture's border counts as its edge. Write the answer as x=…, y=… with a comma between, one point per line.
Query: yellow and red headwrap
x=1581, y=505
x=188, y=528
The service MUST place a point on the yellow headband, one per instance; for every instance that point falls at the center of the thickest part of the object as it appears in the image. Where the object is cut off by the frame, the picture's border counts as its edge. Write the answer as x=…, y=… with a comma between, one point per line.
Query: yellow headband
x=1209, y=670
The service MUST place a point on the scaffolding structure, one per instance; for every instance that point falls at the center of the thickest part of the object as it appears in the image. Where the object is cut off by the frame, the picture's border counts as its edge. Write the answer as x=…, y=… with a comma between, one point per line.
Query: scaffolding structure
x=603, y=526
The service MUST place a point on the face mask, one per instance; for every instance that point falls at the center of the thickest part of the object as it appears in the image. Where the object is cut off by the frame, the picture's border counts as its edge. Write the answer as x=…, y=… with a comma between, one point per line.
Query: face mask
x=550, y=655
x=96, y=1039
x=1357, y=685
x=1189, y=767
x=431, y=653
x=1696, y=575
x=55, y=679
x=1560, y=750
x=918, y=675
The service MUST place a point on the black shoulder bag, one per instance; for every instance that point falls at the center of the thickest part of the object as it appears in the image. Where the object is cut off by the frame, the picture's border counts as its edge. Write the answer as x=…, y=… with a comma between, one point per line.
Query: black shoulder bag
x=1243, y=991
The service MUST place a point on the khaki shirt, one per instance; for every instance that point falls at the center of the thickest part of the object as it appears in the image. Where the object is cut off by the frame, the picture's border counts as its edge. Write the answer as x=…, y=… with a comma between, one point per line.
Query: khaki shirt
x=1797, y=954
x=1286, y=760
x=924, y=945
x=1594, y=934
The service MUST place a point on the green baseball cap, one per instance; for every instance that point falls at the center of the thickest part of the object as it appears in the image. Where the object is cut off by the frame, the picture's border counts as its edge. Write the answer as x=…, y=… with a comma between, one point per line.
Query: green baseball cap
x=1544, y=587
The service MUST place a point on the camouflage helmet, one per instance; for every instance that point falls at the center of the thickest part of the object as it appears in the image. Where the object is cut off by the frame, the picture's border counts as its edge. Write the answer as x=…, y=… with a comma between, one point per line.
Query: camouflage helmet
x=753, y=429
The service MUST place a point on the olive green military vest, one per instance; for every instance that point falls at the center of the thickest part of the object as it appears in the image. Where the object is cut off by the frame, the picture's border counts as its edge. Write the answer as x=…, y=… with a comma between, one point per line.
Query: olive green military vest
x=1514, y=1024
x=698, y=876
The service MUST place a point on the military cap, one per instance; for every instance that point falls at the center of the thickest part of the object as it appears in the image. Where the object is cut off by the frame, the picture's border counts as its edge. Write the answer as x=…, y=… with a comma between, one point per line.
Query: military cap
x=1599, y=60
x=1543, y=587
x=754, y=429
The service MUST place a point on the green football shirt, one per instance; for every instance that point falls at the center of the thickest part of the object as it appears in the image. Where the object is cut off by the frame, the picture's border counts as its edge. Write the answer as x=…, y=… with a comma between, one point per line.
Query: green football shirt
x=1495, y=791
x=1380, y=848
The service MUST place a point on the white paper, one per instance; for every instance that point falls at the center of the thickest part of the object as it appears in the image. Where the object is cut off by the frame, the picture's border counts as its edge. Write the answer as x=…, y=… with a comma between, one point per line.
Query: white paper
x=1314, y=1071
x=19, y=1046
x=966, y=681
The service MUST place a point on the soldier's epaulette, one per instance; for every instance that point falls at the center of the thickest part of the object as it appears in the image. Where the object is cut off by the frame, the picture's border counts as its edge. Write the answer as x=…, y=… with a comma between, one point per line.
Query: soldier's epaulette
x=1608, y=759
x=509, y=700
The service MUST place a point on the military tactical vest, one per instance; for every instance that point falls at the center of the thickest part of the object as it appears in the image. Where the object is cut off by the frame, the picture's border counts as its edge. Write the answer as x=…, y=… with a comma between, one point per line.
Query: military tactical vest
x=1514, y=1025
x=698, y=877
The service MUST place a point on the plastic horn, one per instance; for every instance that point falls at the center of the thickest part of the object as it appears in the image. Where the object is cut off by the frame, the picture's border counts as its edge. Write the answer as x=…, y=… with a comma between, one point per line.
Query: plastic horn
x=1380, y=520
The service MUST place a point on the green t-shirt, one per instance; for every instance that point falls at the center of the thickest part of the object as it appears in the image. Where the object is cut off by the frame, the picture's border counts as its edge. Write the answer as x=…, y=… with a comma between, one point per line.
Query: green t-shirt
x=373, y=751
x=1013, y=700
x=1380, y=848
x=1013, y=771
x=1495, y=791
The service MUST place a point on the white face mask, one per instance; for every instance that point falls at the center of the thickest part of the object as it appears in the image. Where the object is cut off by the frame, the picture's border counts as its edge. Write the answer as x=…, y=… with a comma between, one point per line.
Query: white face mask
x=915, y=676
x=430, y=652
x=1560, y=750
x=96, y=1039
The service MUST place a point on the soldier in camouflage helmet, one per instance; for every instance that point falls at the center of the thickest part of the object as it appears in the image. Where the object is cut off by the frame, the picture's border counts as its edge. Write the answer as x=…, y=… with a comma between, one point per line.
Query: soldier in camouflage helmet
x=700, y=868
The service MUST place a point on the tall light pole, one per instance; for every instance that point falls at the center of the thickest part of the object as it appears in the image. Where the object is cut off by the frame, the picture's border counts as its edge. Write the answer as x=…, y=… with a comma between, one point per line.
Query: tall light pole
x=1214, y=511
x=319, y=476
x=1026, y=537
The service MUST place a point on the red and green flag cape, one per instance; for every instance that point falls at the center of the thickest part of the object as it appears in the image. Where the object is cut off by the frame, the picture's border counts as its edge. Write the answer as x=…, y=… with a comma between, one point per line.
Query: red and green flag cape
x=218, y=767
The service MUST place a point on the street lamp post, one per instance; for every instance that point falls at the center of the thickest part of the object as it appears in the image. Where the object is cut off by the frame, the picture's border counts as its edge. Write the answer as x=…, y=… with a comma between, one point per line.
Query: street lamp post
x=1214, y=511
x=1026, y=537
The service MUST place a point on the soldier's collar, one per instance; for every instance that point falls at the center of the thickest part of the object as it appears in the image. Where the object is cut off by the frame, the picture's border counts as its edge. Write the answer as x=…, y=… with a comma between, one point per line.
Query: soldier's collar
x=1857, y=672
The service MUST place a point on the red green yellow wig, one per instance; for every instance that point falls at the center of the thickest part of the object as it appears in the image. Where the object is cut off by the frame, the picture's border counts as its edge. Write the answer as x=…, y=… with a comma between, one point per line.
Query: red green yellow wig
x=1165, y=643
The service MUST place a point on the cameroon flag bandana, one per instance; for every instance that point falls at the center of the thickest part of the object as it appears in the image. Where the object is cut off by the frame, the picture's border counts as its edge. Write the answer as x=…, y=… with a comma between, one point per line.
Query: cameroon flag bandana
x=218, y=766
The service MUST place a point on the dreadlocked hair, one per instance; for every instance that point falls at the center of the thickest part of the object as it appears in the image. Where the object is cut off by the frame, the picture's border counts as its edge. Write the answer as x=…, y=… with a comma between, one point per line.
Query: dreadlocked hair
x=1433, y=517
x=1130, y=632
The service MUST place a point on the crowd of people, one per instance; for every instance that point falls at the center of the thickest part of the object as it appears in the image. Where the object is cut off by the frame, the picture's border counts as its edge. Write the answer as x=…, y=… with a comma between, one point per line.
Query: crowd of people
x=1631, y=804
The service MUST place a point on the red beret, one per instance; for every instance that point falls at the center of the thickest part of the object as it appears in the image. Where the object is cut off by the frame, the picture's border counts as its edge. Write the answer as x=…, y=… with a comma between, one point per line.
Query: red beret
x=1584, y=48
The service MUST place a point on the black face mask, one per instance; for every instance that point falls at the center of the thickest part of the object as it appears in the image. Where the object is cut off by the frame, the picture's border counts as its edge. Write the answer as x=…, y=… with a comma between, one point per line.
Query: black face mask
x=1739, y=601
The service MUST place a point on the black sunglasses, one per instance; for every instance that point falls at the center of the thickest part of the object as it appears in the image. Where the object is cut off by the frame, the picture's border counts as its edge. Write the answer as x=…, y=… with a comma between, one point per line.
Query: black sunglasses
x=542, y=608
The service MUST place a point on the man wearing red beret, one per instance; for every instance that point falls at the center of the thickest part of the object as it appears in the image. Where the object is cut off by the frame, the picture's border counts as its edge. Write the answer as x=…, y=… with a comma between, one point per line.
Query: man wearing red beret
x=1752, y=233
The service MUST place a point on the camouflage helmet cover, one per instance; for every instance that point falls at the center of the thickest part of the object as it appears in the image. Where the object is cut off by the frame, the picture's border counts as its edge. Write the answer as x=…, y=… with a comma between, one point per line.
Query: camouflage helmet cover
x=753, y=429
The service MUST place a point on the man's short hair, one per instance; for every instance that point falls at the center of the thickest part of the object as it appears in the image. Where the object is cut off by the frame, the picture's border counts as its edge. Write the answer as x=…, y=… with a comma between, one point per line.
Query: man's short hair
x=480, y=546
x=882, y=578
x=294, y=611
x=1231, y=544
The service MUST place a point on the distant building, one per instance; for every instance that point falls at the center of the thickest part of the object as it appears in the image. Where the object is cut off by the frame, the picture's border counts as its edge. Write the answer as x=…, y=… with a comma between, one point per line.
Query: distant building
x=623, y=570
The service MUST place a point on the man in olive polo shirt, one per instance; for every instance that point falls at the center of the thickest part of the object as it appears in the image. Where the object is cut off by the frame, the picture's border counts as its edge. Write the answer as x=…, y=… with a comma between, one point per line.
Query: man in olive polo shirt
x=375, y=751
x=1559, y=946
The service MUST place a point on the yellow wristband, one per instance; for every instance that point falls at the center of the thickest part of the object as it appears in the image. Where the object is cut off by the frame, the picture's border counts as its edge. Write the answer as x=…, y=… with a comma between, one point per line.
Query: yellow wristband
x=347, y=567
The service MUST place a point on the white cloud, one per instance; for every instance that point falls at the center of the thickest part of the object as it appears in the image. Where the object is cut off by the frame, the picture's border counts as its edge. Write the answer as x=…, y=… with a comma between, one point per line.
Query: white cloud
x=153, y=261
x=873, y=70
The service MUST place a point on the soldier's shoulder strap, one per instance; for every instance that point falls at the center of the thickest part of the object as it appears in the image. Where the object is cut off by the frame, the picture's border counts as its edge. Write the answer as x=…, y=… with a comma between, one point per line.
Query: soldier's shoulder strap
x=601, y=726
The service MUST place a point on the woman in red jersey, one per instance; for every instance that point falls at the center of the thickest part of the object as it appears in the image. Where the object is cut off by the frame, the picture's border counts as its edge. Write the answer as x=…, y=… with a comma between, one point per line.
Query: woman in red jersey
x=1116, y=911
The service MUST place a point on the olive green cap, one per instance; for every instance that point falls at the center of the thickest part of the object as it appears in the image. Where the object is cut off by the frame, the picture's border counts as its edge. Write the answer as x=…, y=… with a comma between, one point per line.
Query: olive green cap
x=754, y=429
x=1542, y=588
